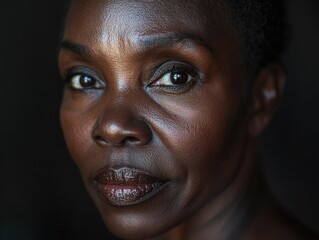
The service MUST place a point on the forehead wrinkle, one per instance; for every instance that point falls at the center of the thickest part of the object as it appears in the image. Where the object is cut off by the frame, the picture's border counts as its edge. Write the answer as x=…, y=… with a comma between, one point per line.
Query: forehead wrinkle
x=121, y=17
x=117, y=17
x=121, y=45
x=116, y=45
x=114, y=34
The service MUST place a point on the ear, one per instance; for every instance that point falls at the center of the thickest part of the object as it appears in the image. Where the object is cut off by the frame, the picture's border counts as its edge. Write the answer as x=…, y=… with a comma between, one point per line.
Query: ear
x=266, y=92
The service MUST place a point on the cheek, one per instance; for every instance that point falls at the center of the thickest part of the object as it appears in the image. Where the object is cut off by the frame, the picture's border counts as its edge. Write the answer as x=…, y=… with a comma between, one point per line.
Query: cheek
x=207, y=140
x=209, y=135
x=201, y=127
x=77, y=127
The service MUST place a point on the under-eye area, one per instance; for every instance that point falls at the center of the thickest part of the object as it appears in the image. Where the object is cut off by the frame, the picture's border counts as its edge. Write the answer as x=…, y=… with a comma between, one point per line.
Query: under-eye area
x=163, y=110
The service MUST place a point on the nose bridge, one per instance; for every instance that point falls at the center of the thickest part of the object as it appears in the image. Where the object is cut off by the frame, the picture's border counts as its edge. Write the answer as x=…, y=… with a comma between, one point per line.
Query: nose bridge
x=120, y=121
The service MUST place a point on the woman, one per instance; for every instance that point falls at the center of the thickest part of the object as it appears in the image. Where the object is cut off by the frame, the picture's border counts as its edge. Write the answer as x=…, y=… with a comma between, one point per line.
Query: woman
x=162, y=112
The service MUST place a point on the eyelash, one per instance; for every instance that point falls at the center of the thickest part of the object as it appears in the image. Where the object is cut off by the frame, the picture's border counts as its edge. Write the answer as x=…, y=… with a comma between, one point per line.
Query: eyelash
x=159, y=74
x=81, y=73
x=183, y=68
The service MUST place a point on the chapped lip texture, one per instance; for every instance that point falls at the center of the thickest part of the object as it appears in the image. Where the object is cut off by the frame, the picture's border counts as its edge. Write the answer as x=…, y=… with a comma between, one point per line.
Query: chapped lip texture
x=127, y=186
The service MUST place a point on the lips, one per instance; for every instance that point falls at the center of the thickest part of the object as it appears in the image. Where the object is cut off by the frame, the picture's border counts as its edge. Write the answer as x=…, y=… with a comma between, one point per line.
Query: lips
x=127, y=186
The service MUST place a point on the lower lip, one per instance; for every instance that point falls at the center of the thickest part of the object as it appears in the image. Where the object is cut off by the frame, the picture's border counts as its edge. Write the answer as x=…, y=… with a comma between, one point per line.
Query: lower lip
x=126, y=195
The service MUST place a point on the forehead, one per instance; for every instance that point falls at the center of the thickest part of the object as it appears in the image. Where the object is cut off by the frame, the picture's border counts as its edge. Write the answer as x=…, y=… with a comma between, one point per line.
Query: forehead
x=102, y=20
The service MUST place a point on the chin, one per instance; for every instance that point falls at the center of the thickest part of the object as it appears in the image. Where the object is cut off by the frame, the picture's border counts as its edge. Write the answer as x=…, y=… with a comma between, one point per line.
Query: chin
x=143, y=220
x=132, y=226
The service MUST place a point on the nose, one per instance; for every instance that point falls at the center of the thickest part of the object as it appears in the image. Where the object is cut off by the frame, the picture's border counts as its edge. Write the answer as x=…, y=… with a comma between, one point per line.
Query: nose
x=120, y=126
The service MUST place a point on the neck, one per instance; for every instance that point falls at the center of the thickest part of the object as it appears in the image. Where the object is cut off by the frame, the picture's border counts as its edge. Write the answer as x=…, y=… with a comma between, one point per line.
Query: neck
x=229, y=215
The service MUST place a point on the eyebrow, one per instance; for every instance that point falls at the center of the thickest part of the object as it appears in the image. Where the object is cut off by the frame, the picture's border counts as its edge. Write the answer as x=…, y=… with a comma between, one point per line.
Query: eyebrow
x=146, y=42
x=171, y=39
x=76, y=48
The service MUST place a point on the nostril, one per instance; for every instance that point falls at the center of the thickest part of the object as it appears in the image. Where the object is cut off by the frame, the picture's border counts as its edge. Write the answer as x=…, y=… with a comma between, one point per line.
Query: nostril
x=131, y=139
x=127, y=140
x=99, y=139
x=118, y=134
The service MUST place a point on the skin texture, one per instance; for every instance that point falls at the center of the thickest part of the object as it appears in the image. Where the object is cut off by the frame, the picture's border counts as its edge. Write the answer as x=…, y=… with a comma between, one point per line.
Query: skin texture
x=201, y=136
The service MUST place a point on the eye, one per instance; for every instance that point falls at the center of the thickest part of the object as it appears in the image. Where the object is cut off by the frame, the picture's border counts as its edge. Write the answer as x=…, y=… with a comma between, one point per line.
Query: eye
x=83, y=82
x=175, y=79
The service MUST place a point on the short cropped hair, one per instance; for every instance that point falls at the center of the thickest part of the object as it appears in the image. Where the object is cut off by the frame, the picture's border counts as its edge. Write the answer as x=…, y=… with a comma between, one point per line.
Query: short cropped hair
x=262, y=29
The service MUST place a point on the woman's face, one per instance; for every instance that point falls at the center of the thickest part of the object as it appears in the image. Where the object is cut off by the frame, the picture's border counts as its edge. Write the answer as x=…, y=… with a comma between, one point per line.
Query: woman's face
x=153, y=111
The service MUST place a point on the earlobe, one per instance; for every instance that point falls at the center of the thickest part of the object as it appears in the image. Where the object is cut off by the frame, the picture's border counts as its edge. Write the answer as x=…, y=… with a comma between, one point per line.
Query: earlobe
x=266, y=92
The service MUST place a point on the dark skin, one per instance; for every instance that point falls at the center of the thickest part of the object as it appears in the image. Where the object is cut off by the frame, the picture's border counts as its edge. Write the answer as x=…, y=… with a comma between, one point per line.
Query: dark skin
x=121, y=109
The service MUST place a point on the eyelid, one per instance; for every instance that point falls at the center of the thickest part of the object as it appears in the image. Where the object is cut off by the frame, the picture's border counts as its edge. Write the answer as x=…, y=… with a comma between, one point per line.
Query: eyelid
x=171, y=66
x=80, y=70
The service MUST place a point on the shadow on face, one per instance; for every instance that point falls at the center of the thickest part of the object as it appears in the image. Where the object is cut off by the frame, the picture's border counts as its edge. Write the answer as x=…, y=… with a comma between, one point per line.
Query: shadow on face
x=155, y=109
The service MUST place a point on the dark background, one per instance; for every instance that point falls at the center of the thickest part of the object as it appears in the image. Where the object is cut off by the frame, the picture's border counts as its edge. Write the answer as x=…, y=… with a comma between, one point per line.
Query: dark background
x=41, y=193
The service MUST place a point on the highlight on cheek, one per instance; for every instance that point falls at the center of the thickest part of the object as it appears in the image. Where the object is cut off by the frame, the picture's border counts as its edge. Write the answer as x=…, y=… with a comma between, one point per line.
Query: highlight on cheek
x=158, y=119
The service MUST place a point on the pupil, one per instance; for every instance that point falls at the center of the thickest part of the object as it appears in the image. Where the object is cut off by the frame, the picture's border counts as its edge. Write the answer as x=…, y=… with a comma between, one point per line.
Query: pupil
x=86, y=81
x=179, y=77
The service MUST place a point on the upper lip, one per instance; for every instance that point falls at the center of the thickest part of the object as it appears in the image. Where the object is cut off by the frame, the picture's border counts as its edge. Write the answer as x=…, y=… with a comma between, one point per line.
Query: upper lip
x=125, y=176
